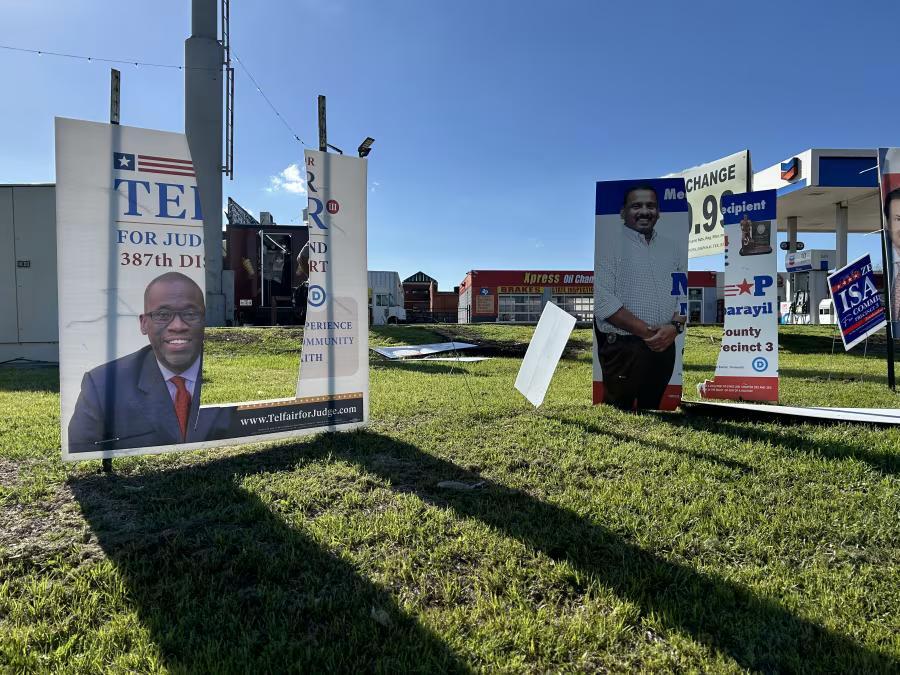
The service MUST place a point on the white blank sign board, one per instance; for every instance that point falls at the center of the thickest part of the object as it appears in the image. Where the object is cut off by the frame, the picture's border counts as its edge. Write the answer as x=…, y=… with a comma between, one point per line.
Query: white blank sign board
x=546, y=347
x=413, y=351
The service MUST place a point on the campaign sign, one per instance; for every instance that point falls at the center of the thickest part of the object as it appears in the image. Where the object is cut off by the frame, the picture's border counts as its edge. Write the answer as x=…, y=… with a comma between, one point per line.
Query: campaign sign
x=707, y=186
x=889, y=180
x=640, y=289
x=747, y=366
x=131, y=274
x=335, y=356
x=132, y=305
x=332, y=391
x=857, y=302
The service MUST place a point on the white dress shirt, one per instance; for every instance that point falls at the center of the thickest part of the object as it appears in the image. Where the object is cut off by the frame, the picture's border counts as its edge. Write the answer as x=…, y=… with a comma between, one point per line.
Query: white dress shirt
x=190, y=378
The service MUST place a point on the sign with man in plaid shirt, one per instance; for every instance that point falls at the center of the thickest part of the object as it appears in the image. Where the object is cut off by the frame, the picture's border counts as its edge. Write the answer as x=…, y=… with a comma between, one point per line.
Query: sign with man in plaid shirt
x=640, y=288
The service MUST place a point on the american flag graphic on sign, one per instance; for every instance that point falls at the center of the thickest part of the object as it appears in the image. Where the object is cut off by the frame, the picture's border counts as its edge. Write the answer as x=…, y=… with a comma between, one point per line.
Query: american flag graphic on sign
x=731, y=290
x=169, y=166
x=166, y=165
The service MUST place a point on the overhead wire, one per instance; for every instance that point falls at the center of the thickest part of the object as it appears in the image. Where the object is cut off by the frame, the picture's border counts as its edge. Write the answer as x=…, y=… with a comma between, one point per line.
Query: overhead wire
x=102, y=59
x=266, y=98
x=170, y=66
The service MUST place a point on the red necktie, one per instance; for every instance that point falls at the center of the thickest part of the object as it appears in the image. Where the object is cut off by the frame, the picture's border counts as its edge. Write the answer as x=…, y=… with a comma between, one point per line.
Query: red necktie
x=182, y=403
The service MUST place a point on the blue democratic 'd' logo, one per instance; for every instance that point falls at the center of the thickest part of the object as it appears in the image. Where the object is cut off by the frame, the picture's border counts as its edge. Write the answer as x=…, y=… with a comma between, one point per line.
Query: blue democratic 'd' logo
x=316, y=296
x=760, y=364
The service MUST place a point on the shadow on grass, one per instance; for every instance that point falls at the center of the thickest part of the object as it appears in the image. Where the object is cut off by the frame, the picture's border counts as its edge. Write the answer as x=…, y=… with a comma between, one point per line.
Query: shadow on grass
x=757, y=633
x=225, y=585
x=844, y=374
x=787, y=434
x=800, y=343
x=42, y=379
x=589, y=428
x=219, y=579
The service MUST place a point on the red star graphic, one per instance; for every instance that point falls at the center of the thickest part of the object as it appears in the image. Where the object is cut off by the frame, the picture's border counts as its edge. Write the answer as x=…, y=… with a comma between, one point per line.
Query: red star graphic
x=745, y=287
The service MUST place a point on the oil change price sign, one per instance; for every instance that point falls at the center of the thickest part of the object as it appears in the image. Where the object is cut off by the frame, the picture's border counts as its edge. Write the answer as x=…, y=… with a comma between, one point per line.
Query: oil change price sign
x=706, y=187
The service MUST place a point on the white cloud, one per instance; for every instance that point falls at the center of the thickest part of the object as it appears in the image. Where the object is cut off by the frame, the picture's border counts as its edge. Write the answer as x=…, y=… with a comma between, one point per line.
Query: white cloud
x=290, y=180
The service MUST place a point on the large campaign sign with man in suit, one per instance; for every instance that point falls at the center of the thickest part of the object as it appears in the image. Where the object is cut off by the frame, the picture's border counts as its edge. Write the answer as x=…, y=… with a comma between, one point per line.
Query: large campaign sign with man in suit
x=132, y=311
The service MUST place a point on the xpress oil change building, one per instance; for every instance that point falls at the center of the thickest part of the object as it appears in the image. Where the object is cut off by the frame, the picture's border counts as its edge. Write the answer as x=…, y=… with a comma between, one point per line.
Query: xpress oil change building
x=518, y=296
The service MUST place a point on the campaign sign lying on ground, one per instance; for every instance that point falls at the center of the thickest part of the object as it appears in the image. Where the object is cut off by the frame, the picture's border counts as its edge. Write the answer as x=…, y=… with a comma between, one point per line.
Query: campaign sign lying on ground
x=132, y=311
x=706, y=186
x=857, y=302
x=640, y=289
x=747, y=366
x=414, y=351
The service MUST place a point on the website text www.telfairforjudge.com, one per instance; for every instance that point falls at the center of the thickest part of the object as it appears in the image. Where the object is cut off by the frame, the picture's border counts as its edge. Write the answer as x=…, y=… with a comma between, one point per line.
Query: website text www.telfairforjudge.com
x=296, y=415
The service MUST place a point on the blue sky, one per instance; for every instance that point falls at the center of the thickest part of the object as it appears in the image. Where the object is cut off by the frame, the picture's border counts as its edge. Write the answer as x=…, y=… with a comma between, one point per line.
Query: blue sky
x=492, y=119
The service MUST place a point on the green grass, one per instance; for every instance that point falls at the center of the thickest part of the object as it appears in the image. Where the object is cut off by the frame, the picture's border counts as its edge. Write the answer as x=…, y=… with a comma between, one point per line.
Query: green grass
x=596, y=540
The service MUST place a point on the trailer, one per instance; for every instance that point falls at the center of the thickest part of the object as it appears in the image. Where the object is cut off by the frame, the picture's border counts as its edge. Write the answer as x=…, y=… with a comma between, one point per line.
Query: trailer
x=28, y=290
x=385, y=298
x=268, y=263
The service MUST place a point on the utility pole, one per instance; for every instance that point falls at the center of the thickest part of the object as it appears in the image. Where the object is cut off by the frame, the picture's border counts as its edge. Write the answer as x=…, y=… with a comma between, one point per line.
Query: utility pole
x=323, y=133
x=115, y=78
x=203, y=126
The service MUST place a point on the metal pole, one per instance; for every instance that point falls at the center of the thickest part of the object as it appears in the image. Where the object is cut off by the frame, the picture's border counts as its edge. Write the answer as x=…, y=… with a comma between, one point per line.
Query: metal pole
x=862, y=375
x=115, y=79
x=203, y=126
x=834, y=337
x=323, y=134
x=114, y=88
x=262, y=269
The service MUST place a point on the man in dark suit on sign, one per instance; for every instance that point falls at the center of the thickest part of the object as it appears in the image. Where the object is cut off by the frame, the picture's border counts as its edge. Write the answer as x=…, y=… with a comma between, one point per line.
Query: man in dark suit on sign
x=151, y=397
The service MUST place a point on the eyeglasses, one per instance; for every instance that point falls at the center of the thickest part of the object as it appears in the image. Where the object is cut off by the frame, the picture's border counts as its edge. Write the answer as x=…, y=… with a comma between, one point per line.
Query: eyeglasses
x=165, y=316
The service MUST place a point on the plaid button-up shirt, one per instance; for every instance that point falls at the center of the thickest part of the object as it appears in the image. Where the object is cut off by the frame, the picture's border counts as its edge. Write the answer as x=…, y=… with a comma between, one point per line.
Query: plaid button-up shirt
x=637, y=274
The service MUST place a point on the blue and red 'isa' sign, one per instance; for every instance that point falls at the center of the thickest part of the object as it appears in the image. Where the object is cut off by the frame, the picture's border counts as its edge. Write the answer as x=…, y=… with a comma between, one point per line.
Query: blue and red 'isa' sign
x=857, y=303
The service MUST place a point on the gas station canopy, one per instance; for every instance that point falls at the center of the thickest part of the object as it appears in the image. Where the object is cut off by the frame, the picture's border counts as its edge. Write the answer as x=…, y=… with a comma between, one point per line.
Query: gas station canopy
x=815, y=183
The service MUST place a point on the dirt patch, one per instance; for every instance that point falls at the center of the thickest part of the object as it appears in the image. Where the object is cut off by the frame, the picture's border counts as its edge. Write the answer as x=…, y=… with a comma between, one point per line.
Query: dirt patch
x=10, y=473
x=33, y=533
x=261, y=336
